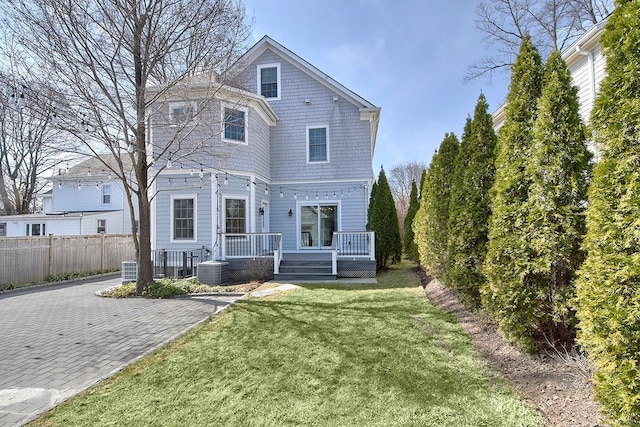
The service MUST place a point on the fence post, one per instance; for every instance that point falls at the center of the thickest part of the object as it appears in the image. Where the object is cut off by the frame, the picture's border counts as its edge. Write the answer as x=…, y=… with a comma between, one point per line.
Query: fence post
x=102, y=251
x=164, y=263
x=184, y=264
x=50, y=268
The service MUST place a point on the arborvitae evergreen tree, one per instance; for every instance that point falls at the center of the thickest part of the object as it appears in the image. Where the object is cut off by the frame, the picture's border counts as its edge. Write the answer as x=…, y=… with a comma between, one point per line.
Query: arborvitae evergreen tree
x=372, y=197
x=469, y=205
x=383, y=220
x=507, y=292
x=608, y=287
x=430, y=223
x=558, y=169
x=410, y=248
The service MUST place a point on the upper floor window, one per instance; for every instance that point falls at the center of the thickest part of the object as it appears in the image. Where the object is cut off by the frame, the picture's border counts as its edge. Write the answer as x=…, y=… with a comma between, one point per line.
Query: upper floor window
x=36, y=230
x=102, y=226
x=106, y=195
x=234, y=125
x=3, y=229
x=184, y=217
x=317, y=144
x=269, y=81
x=181, y=112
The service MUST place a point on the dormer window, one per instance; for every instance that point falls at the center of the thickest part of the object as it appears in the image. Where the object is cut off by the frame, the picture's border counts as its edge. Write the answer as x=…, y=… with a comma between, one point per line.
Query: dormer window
x=269, y=81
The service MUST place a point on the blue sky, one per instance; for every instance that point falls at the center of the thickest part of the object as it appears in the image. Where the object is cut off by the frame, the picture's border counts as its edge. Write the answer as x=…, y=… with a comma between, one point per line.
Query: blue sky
x=408, y=57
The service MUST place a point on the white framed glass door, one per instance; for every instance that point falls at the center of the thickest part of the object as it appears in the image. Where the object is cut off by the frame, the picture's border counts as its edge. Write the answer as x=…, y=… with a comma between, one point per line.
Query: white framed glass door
x=317, y=224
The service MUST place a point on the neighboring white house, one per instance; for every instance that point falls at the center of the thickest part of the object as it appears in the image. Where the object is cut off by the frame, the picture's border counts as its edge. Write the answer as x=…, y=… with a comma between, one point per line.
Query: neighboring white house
x=85, y=199
x=587, y=65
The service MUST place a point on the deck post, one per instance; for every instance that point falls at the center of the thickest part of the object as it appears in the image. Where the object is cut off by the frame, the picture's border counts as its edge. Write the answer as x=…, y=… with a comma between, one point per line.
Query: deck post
x=334, y=261
x=372, y=245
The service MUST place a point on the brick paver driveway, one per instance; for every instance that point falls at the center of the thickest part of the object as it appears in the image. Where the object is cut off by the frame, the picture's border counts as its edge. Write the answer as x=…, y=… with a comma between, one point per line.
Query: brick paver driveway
x=56, y=341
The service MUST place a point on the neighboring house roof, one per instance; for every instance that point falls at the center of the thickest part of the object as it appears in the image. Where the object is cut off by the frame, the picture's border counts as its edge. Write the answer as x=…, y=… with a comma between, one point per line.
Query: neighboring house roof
x=53, y=215
x=571, y=55
x=95, y=167
x=368, y=111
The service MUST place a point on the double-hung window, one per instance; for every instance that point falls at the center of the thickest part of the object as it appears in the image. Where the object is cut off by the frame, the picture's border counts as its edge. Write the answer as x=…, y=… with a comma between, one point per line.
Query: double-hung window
x=317, y=144
x=3, y=229
x=235, y=125
x=235, y=216
x=181, y=112
x=183, y=218
x=102, y=226
x=106, y=194
x=269, y=81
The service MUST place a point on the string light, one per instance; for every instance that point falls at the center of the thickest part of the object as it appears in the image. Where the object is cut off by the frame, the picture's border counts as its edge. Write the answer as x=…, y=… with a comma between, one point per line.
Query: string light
x=295, y=196
x=248, y=189
x=201, y=174
x=226, y=179
x=281, y=193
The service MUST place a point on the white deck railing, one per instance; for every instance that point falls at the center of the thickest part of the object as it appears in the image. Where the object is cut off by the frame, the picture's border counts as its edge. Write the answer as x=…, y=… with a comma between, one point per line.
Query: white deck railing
x=252, y=245
x=354, y=244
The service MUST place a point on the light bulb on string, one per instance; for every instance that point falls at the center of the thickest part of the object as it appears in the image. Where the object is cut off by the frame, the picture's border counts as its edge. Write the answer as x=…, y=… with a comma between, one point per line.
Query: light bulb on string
x=281, y=193
x=306, y=195
x=226, y=179
x=59, y=185
x=266, y=190
x=191, y=172
x=295, y=196
x=248, y=189
x=201, y=174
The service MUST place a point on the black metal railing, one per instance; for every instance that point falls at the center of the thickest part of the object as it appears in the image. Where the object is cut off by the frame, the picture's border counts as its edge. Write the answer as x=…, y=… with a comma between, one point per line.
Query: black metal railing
x=353, y=243
x=180, y=263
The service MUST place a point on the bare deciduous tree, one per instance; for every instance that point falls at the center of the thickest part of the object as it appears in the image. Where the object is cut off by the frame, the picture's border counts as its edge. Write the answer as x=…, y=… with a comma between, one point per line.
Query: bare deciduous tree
x=26, y=151
x=551, y=24
x=401, y=177
x=102, y=57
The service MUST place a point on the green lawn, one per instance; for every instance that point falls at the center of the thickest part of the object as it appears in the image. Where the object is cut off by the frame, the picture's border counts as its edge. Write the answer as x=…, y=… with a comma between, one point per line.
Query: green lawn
x=358, y=355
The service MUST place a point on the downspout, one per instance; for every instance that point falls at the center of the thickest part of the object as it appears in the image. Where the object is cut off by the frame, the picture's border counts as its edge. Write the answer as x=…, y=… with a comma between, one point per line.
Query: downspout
x=592, y=87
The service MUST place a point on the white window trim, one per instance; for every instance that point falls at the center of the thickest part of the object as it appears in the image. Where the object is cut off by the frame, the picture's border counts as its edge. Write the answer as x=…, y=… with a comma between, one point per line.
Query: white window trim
x=98, y=225
x=224, y=210
x=315, y=162
x=4, y=224
x=225, y=105
x=259, y=80
x=195, y=217
x=30, y=228
x=102, y=194
x=178, y=104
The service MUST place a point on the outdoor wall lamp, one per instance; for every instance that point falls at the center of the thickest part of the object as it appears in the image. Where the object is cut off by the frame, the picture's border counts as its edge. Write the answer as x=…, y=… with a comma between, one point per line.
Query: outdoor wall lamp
x=290, y=212
x=261, y=211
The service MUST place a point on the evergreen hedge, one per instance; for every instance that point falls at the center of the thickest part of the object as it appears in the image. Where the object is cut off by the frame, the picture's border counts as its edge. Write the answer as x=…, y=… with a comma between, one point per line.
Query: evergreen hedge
x=431, y=221
x=507, y=292
x=469, y=205
x=608, y=287
x=410, y=247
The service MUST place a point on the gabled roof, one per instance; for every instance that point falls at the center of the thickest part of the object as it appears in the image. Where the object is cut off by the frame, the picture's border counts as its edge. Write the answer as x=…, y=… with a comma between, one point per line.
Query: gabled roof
x=267, y=42
x=95, y=167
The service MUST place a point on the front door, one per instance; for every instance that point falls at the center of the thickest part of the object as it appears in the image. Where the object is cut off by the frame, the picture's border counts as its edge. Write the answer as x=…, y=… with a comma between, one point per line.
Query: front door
x=317, y=224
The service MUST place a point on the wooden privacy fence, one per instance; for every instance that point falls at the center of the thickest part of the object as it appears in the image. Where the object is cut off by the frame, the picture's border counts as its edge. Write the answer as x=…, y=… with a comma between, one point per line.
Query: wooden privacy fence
x=26, y=260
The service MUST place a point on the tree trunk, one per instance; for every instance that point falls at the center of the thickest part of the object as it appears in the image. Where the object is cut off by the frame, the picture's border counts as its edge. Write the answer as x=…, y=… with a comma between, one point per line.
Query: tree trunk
x=145, y=268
